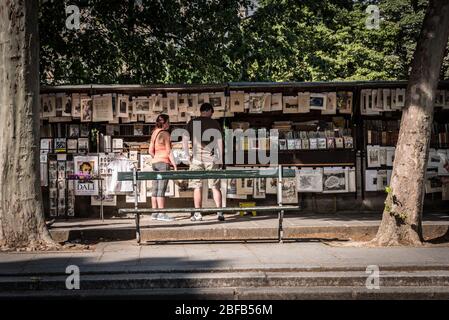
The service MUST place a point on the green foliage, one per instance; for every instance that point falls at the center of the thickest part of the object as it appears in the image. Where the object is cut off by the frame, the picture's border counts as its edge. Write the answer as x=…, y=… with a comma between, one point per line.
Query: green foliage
x=205, y=41
x=392, y=200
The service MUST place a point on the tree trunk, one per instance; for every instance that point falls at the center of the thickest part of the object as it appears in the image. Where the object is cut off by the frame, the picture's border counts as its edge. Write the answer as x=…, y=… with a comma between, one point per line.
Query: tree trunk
x=402, y=218
x=22, y=221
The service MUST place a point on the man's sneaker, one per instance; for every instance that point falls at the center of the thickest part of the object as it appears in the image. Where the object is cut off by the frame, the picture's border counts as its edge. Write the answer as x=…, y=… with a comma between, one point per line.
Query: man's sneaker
x=164, y=217
x=220, y=216
x=196, y=217
x=154, y=215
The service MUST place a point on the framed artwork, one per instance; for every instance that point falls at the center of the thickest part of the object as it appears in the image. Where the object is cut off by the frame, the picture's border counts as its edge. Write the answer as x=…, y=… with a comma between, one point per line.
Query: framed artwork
x=373, y=156
x=172, y=103
x=344, y=102
x=86, y=110
x=331, y=104
x=256, y=103
x=259, y=188
x=66, y=105
x=303, y=102
x=217, y=100
x=266, y=103
x=76, y=105
x=276, y=102
x=335, y=180
x=141, y=105
x=382, y=180
x=371, y=180
x=310, y=180
x=122, y=106
x=48, y=105
x=289, y=192
x=290, y=104
x=318, y=101
x=386, y=99
x=400, y=99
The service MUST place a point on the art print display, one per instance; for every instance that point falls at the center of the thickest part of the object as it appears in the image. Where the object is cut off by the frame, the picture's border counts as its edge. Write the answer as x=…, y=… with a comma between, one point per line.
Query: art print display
x=217, y=100
x=102, y=108
x=83, y=145
x=46, y=145
x=74, y=131
x=443, y=166
x=192, y=104
x=335, y=180
x=66, y=105
x=259, y=188
x=382, y=180
x=104, y=160
x=434, y=183
x=60, y=145
x=202, y=98
x=331, y=103
x=48, y=105
x=400, y=99
x=122, y=106
x=157, y=103
x=309, y=180
x=232, y=187
x=76, y=105
x=303, y=102
x=276, y=102
x=344, y=102
x=86, y=109
x=317, y=101
x=289, y=192
x=117, y=145
x=371, y=180
x=373, y=156
x=172, y=102
x=349, y=142
x=434, y=159
x=86, y=166
x=141, y=105
x=290, y=104
x=386, y=99
x=390, y=155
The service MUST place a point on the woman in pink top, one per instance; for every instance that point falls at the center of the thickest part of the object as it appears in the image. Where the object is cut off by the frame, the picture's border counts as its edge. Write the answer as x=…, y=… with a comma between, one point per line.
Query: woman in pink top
x=160, y=150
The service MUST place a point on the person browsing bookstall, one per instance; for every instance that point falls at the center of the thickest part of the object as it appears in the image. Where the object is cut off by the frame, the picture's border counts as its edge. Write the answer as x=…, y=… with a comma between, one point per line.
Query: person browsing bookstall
x=161, y=151
x=207, y=155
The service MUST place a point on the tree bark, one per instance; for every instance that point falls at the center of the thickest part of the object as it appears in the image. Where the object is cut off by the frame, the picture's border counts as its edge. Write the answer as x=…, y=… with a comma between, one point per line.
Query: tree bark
x=22, y=221
x=402, y=218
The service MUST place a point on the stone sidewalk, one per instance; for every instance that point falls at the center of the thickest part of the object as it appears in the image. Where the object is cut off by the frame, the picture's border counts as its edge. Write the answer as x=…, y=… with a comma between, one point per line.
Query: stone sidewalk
x=128, y=257
x=350, y=226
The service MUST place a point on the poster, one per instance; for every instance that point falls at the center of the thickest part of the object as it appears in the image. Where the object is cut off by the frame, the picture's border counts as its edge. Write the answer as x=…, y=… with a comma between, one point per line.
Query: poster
x=371, y=180
x=102, y=108
x=86, y=165
x=217, y=100
x=289, y=192
x=122, y=106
